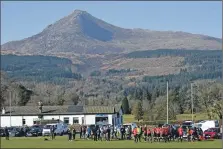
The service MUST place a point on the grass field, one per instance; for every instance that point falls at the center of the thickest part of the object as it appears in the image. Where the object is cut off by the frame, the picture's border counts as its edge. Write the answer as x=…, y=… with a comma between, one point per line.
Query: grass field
x=62, y=142
x=128, y=118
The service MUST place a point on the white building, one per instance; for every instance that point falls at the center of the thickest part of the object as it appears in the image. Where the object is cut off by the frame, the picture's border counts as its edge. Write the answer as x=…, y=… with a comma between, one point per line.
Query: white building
x=87, y=115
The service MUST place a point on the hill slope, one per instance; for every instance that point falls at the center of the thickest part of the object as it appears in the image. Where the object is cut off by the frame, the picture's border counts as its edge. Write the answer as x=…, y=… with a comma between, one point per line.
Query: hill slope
x=82, y=33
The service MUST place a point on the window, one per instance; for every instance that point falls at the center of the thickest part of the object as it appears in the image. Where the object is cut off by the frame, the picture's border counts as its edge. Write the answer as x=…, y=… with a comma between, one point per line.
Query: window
x=34, y=122
x=101, y=120
x=66, y=120
x=82, y=120
x=216, y=124
x=75, y=120
x=23, y=121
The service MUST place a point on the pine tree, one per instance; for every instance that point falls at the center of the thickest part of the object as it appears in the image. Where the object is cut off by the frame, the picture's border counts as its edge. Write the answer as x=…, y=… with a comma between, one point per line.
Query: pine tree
x=24, y=95
x=138, y=111
x=125, y=105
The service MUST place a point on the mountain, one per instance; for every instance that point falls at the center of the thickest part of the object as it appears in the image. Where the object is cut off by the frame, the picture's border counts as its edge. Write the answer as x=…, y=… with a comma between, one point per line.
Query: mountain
x=82, y=33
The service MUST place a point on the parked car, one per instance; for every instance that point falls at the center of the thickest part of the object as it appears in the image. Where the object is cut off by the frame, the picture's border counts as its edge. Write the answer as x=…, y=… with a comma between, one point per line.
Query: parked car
x=2, y=132
x=219, y=135
x=212, y=133
x=206, y=124
x=61, y=129
x=15, y=132
x=188, y=123
x=46, y=130
x=35, y=131
x=133, y=125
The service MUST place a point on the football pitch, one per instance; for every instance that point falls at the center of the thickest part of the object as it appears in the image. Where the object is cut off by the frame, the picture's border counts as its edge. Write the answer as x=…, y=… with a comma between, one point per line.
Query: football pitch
x=62, y=142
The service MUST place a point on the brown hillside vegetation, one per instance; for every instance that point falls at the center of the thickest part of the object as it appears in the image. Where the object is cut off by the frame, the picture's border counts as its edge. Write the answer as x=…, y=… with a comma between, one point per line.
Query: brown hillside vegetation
x=148, y=66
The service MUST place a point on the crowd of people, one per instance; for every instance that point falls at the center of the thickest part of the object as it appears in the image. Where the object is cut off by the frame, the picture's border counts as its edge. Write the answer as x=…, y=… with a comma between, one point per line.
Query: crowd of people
x=139, y=133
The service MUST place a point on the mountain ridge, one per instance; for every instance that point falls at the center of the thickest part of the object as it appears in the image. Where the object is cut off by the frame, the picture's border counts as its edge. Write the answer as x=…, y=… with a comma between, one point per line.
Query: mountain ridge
x=80, y=32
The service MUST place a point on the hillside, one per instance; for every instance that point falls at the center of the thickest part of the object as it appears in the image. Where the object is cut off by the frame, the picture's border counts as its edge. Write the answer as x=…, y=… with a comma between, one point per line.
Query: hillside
x=83, y=33
x=38, y=68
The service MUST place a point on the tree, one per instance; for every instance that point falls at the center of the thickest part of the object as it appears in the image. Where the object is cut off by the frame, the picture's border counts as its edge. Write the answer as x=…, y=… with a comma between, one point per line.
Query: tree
x=2, y=95
x=216, y=95
x=60, y=98
x=206, y=99
x=24, y=95
x=138, y=111
x=125, y=105
x=75, y=98
x=218, y=108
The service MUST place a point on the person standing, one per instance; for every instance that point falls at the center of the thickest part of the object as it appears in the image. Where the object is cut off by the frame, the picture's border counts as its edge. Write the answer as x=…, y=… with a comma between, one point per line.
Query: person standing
x=98, y=133
x=188, y=134
x=135, y=135
x=180, y=134
x=122, y=132
x=74, y=133
x=81, y=132
x=127, y=132
x=88, y=132
x=26, y=131
x=165, y=134
x=115, y=132
x=158, y=133
x=6, y=133
x=155, y=133
x=109, y=133
x=94, y=130
x=145, y=133
x=101, y=132
x=191, y=132
x=139, y=134
x=52, y=132
x=69, y=134
x=149, y=135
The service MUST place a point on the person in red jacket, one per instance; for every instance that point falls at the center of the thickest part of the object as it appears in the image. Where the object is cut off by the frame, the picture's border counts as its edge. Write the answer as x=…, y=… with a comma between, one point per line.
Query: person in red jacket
x=160, y=133
x=180, y=133
x=191, y=132
x=149, y=135
x=155, y=133
x=134, y=132
x=165, y=134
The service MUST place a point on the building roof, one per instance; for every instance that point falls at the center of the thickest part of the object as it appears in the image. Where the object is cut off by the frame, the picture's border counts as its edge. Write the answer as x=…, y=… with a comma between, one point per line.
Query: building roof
x=99, y=109
x=60, y=110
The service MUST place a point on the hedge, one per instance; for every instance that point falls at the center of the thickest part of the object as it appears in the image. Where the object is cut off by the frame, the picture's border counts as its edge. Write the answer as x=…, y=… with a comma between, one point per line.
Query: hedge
x=159, y=122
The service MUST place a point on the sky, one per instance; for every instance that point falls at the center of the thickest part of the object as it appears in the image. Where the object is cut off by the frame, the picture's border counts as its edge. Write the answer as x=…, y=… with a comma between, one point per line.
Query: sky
x=23, y=19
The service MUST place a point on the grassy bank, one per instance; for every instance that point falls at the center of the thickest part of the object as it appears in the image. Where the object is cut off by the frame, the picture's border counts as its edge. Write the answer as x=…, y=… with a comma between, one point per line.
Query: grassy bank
x=62, y=142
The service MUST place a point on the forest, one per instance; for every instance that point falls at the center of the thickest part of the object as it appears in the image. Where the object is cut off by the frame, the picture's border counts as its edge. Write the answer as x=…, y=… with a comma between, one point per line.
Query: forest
x=38, y=68
x=52, y=80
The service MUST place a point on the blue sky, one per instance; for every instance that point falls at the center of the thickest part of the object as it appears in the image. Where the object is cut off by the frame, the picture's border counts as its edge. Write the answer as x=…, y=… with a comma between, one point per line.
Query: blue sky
x=23, y=19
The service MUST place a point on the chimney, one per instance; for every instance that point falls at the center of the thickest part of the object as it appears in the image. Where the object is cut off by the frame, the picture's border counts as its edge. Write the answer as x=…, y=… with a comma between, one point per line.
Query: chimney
x=3, y=110
x=40, y=107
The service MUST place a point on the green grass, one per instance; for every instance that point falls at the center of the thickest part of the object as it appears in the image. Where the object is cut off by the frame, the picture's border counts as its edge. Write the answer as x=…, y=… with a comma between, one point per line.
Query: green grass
x=128, y=118
x=62, y=142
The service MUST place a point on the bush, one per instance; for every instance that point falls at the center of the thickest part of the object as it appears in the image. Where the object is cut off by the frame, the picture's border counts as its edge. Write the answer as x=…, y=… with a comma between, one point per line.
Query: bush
x=157, y=122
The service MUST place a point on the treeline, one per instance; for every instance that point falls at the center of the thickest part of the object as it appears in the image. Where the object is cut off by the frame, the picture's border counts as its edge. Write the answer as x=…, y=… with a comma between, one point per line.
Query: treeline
x=38, y=68
x=197, y=60
x=173, y=52
x=205, y=64
x=207, y=99
x=116, y=71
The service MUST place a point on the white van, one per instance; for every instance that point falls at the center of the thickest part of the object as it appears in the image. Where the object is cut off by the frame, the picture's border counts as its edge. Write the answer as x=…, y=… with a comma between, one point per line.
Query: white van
x=61, y=128
x=206, y=124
